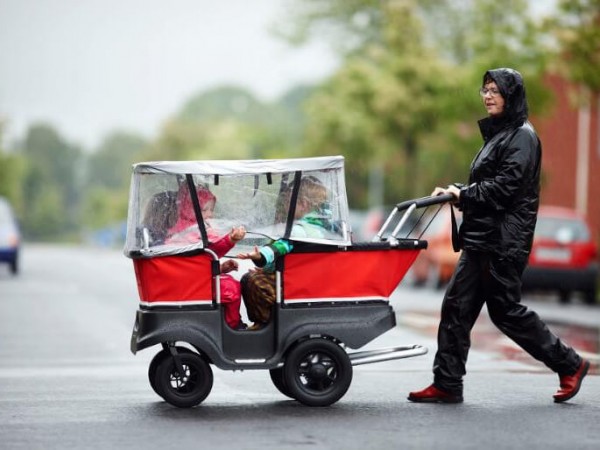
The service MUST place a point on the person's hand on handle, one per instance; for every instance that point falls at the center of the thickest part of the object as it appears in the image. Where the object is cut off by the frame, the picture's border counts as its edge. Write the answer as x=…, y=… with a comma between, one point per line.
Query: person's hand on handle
x=452, y=190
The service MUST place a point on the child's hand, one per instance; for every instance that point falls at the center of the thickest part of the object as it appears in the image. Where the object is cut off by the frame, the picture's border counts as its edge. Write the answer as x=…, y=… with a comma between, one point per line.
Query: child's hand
x=229, y=266
x=237, y=234
x=251, y=255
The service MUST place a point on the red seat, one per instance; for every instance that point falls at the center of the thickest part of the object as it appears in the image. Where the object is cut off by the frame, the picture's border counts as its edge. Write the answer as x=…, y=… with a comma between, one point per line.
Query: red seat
x=174, y=280
x=345, y=275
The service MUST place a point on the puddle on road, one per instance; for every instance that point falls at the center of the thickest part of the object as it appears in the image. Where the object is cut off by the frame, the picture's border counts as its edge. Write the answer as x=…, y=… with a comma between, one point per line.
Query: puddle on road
x=486, y=337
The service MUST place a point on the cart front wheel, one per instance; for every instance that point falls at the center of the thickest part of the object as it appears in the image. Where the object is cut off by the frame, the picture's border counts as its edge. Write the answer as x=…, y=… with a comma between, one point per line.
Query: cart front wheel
x=158, y=358
x=186, y=389
x=317, y=372
x=278, y=380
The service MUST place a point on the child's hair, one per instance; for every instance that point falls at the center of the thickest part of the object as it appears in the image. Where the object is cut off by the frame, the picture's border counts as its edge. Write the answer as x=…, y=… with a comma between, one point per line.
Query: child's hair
x=313, y=191
x=161, y=212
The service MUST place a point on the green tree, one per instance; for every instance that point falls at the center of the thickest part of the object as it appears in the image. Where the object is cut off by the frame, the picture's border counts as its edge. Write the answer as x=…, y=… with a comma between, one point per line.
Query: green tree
x=231, y=123
x=11, y=169
x=404, y=102
x=51, y=184
x=382, y=101
x=104, y=207
x=577, y=31
x=110, y=165
x=108, y=174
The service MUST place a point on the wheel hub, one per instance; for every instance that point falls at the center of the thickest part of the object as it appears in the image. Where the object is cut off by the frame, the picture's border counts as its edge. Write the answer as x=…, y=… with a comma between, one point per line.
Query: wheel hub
x=317, y=371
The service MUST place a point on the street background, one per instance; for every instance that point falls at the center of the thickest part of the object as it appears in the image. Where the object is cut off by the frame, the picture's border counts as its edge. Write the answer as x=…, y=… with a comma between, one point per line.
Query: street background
x=89, y=88
x=68, y=380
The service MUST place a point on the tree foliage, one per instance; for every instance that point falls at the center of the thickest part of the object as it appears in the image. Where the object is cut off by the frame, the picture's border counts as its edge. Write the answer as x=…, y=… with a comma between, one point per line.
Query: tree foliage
x=51, y=184
x=11, y=169
x=230, y=123
x=109, y=166
x=577, y=30
x=402, y=107
x=409, y=73
x=107, y=175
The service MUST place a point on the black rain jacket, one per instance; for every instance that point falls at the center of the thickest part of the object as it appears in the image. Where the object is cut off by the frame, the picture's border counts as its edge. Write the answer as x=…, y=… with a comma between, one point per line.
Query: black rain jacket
x=500, y=202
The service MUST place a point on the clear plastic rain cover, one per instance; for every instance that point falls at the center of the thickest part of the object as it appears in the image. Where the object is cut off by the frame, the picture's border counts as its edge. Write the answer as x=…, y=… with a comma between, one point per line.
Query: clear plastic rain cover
x=299, y=199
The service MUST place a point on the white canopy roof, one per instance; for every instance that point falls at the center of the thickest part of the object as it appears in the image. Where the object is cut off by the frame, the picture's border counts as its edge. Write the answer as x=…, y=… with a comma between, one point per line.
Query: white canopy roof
x=240, y=167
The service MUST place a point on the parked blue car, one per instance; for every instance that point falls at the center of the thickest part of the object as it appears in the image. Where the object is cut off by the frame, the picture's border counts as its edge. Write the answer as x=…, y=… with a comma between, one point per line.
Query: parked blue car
x=10, y=237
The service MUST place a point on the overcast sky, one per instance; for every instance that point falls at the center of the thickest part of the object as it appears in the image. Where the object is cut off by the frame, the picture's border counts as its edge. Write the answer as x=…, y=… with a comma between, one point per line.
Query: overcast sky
x=91, y=66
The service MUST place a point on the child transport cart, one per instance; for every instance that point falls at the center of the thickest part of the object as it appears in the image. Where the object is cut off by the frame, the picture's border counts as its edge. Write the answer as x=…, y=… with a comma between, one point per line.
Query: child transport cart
x=332, y=293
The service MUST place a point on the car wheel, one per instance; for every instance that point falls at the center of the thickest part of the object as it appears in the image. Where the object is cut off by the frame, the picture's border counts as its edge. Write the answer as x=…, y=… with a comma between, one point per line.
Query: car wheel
x=564, y=297
x=158, y=358
x=14, y=266
x=589, y=296
x=186, y=389
x=278, y=380
x=317, y=372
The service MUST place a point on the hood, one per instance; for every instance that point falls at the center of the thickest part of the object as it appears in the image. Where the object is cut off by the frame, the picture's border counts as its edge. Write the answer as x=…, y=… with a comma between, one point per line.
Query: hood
x=511, y=86
x=186, y=216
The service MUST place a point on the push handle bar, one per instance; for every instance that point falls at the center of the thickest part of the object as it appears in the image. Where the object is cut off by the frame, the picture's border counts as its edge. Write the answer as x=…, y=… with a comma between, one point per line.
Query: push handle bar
x=425, y=201
x=409, y=206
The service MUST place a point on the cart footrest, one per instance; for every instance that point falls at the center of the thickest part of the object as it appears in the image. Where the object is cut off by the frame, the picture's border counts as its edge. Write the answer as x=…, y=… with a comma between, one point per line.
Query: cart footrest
x=386, y=354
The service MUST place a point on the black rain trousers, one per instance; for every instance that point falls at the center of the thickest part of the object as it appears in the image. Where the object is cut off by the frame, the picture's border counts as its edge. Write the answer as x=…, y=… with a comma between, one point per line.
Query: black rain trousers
x=484, y=278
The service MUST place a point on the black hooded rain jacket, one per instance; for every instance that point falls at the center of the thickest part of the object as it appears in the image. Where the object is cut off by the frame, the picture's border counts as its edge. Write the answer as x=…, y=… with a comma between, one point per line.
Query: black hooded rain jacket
x=500, y=202
x=499, y=214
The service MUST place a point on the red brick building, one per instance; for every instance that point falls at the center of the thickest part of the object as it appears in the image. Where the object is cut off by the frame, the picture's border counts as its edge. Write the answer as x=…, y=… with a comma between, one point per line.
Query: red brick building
x=570, y=137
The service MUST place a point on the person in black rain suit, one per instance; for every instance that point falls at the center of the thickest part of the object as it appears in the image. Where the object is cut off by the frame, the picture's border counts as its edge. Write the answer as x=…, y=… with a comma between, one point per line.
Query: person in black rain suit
x=499, y=208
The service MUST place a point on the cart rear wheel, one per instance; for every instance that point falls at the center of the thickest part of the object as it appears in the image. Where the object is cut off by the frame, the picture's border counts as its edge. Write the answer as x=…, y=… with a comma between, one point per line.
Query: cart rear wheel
x=158, y=358
x=278, y=380
x=186, y=389
x=317, y=372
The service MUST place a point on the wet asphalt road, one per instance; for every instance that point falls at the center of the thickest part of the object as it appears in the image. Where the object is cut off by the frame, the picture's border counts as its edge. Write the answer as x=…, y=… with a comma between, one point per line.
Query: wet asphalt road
x=68, y=380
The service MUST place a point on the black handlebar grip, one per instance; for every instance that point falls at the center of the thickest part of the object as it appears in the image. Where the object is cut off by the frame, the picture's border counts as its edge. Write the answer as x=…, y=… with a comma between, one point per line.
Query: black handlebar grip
x=425, y=201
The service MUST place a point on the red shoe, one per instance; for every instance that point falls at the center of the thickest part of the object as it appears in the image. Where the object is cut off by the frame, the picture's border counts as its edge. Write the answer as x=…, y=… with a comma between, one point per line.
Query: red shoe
x=432, y=394
x=570, y=384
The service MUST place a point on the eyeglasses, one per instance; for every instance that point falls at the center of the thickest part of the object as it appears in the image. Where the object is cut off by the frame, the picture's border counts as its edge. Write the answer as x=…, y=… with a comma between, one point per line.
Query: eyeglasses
x=485, y=91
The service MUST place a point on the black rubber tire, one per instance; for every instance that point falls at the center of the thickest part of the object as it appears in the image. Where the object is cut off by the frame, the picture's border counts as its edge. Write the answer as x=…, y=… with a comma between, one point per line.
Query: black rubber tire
x=187, y=391
x=278, y=380
x=158, y=358
x=564, y=296
x=317, y=372
x=14, y=266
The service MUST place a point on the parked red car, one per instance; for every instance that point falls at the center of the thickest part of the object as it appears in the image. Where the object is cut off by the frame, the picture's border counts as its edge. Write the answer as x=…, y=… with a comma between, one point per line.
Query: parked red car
x=564, y=256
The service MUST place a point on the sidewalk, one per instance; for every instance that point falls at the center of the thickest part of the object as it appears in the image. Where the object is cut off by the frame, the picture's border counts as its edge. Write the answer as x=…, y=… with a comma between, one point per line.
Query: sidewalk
x=576, y=323
x=548, y=308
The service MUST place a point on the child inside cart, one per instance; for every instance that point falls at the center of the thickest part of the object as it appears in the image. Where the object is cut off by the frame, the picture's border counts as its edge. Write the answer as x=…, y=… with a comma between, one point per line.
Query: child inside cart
x=160, y=215
x=312, y=219
x=185, y=231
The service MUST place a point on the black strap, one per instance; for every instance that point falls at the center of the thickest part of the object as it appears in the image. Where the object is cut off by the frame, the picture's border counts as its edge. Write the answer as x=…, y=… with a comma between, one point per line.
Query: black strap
x=197, y=209
x=455, y=238
x=293, y=199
